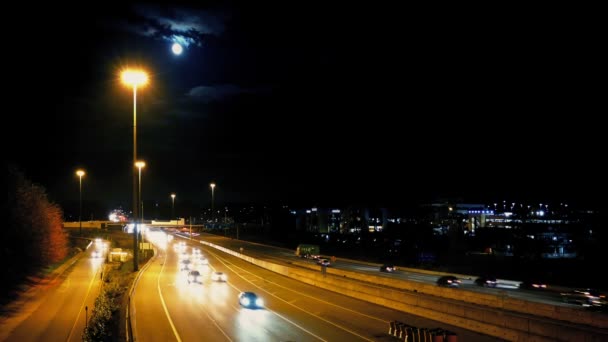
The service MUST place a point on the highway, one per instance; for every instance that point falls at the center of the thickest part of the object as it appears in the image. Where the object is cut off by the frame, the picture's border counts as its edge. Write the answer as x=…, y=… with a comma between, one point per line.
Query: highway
x=280, y=255
x=56, y=311
x=168, y=308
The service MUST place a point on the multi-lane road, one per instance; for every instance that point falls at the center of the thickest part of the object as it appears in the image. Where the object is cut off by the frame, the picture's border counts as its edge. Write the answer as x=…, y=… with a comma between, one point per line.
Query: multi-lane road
x=165, y=306
x=504, y=287
x=168, y=308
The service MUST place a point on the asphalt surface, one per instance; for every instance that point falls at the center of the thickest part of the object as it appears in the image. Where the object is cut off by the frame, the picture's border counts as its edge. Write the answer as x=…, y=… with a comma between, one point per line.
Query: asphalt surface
x=168, y=308
x=504, y=287
x=55, y=311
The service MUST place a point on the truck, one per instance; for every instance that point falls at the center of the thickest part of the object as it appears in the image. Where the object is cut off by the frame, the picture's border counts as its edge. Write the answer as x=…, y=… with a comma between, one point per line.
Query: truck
x=308, y=251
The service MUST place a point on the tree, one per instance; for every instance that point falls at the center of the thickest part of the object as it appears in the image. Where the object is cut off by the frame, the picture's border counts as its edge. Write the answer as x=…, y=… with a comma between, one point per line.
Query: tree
x=34, y=237
x=55, y=239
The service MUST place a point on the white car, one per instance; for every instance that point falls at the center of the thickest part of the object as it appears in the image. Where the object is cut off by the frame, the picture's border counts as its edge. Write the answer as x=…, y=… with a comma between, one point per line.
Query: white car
x=219, y=276
x=201, y=261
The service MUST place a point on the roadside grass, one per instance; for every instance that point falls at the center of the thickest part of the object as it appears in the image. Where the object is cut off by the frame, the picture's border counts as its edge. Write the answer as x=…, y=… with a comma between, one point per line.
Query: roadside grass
x=109, y=315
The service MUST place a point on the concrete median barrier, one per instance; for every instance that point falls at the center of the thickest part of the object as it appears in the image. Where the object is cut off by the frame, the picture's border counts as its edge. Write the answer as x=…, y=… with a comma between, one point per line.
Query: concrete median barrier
x=505, y=318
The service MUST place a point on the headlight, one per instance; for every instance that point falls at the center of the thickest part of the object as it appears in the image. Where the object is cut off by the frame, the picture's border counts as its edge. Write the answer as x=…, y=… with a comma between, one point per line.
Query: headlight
x=245, y=301
x=259, y=302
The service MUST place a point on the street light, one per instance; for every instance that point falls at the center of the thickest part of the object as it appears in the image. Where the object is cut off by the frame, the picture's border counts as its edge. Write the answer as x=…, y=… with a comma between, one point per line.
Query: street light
x=172, y=206
x=212, y=185
x=135, y=78
x=140, y=165
x=80, y=173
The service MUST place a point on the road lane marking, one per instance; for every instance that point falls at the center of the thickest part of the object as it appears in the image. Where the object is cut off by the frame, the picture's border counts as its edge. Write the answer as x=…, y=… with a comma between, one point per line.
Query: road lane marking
x=311, y=297
x=83, y=304
x=167, y=311
x=306, y=295
x=239, y=309
x=162, y=300
x=214, y=322
x=288, y=303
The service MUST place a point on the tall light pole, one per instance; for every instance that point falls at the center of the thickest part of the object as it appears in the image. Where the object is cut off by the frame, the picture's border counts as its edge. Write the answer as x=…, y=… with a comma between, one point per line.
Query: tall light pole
x=172, y=206
x=140, y=165
x=212, y=185
x=135, y=78
x=80, y=173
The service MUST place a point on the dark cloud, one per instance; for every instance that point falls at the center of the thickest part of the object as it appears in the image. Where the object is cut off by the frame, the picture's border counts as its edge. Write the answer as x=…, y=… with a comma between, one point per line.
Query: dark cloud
x=181, y=25
x=222, y=92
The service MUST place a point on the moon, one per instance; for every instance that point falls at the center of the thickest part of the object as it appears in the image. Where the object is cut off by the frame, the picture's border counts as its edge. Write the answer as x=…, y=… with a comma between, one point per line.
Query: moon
x=177, y=49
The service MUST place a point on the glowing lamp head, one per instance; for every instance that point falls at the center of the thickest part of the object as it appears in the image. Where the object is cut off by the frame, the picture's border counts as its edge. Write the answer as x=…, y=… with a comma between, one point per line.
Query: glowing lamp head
x=212, y=185
x=80, y=173
x=140, y=164
x=173, y=196
x=134, y=78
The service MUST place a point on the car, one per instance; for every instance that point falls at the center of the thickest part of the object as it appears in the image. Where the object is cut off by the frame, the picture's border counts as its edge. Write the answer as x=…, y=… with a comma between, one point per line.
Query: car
x=96, y=254
x=388, y=268
x=533, y=284
x=584, y=297
x=201, y=260
x=194, y=276
x=184, y=265
x=449, y=281
x=323, y=262
x=219, y=276
x=250, y=300
x=486, y=281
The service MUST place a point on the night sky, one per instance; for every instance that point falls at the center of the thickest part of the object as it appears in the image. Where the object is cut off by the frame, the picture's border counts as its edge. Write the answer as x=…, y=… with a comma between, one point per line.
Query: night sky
x=310, y=104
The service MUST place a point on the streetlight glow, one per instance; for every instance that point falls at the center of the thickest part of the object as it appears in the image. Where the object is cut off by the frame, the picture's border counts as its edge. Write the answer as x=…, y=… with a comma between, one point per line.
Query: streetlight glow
x=134, y=78
x=140, y=165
